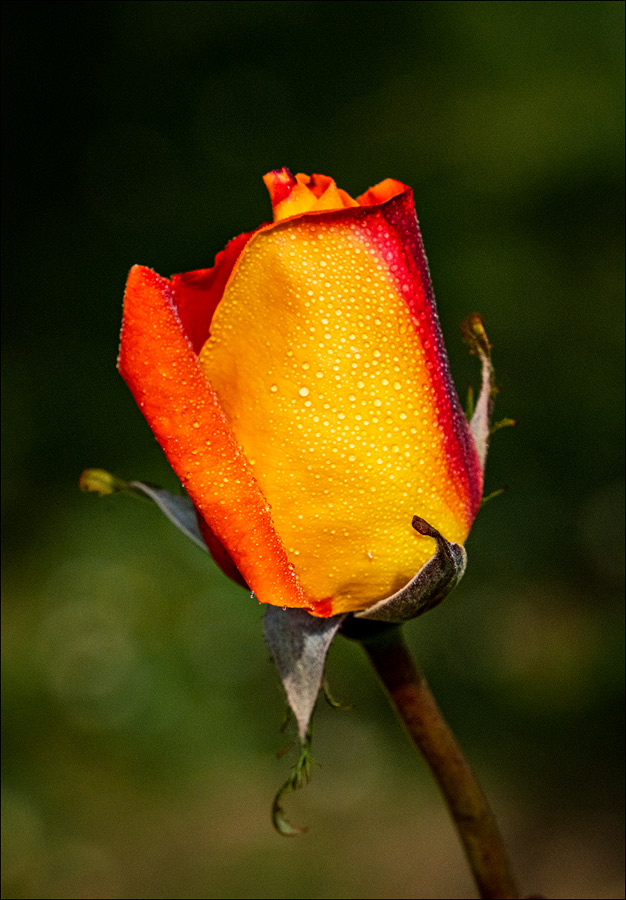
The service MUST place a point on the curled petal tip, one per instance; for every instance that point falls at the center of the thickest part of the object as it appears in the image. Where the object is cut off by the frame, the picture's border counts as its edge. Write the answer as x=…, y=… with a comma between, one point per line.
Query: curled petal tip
x=279, y=183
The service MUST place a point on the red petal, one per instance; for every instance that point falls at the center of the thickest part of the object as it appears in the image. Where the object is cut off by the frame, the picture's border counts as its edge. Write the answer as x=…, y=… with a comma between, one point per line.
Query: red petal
x=158, y=363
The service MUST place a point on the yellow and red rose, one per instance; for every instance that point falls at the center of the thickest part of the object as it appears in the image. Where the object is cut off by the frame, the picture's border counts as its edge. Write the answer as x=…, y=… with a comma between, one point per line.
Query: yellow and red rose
x=301, y=391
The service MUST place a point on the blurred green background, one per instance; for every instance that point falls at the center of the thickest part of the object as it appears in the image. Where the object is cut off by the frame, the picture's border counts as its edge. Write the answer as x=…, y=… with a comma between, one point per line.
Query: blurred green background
x=141, y=712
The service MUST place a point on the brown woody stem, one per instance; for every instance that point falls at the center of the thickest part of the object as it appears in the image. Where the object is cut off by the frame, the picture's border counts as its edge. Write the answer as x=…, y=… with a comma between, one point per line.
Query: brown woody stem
x=468, y=806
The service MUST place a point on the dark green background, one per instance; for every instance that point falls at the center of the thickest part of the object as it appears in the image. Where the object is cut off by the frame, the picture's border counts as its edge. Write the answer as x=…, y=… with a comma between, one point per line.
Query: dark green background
x=141, y=713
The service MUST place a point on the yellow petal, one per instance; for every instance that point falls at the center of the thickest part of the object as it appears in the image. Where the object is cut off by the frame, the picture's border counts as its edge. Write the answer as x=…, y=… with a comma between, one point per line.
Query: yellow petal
x=326, y=375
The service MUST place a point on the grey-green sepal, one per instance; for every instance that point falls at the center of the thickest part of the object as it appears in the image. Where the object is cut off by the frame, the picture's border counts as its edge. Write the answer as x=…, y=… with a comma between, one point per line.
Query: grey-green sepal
x=474, y=334
x=480, y=422
x=431, y=585
x=178, y=508
x=298, y=643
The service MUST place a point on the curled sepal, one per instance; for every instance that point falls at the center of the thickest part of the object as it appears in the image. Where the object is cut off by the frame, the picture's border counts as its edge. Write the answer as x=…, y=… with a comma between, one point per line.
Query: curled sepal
x=299, y=643
x=475, y=336
x=431, y=585
x=178, y=508
x=299, y=776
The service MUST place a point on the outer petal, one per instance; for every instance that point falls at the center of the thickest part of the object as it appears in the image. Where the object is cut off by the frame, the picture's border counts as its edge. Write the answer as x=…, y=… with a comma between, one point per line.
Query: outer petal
x=160, y=367
x=332, y=372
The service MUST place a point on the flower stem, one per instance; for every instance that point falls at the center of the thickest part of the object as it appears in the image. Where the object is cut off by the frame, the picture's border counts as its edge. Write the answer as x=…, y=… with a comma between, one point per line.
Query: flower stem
x=474, y=820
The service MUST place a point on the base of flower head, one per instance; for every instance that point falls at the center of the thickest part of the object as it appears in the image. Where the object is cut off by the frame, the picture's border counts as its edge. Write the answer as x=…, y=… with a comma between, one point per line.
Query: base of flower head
x=431, y=585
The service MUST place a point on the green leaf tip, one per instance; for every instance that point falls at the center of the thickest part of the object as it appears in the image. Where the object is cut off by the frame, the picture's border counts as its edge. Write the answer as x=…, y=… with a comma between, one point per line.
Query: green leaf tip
x=501, y=423
x=299, y=776
x=332, y=702
x=493, y=494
